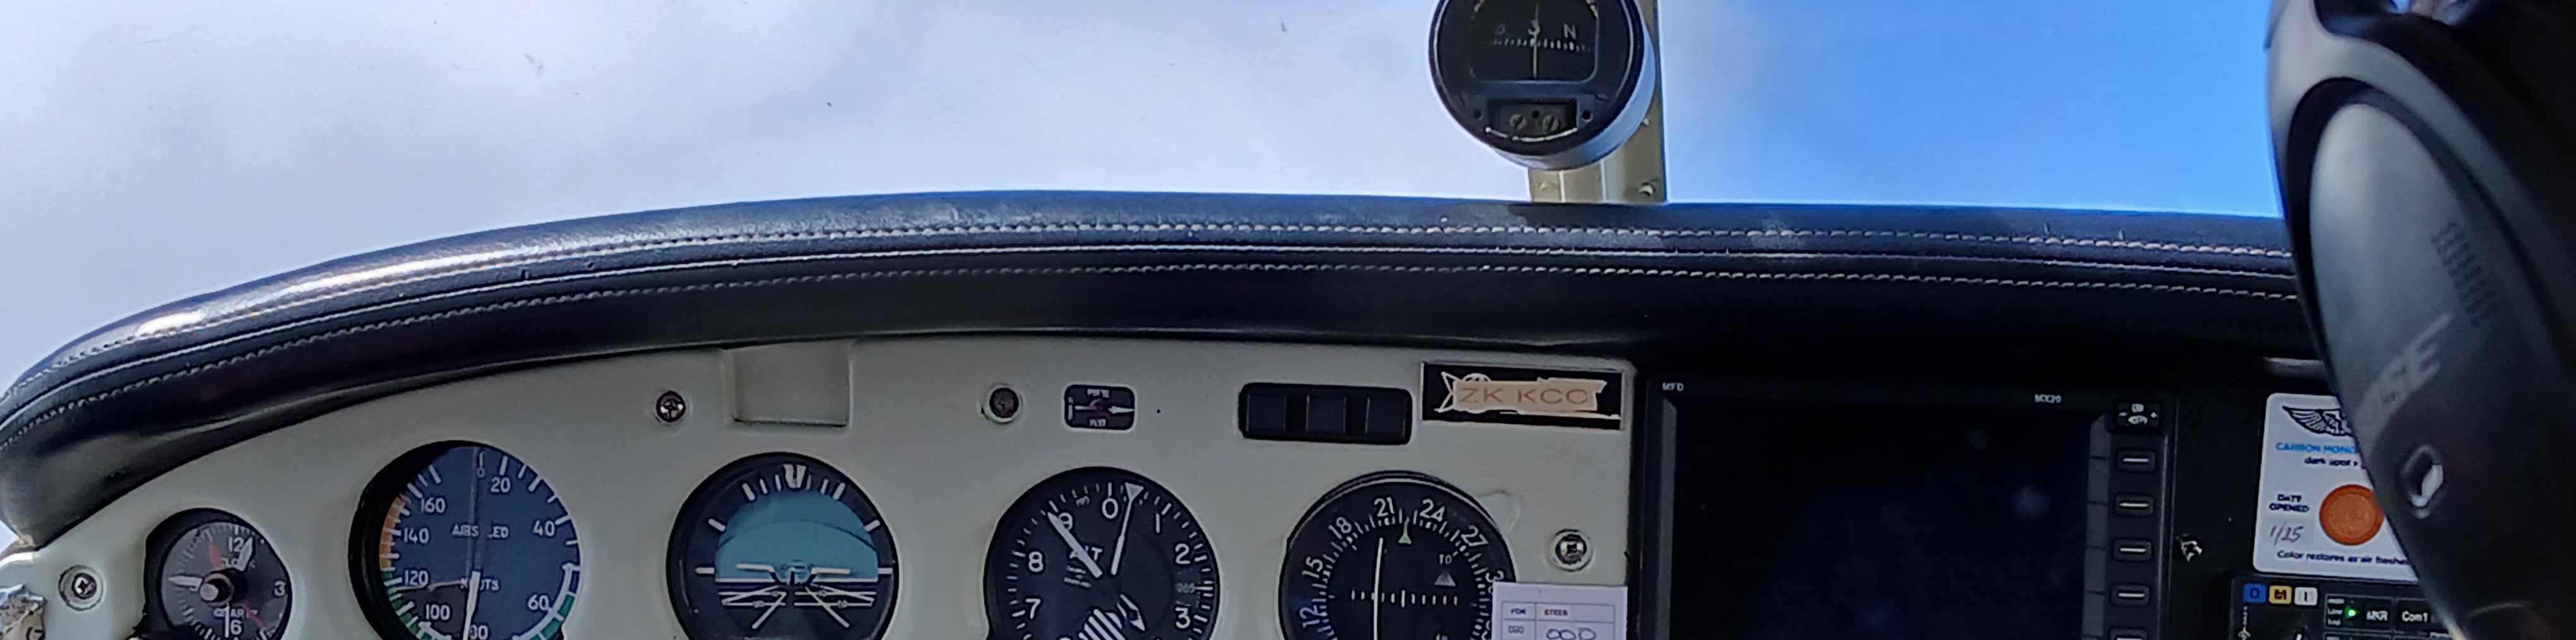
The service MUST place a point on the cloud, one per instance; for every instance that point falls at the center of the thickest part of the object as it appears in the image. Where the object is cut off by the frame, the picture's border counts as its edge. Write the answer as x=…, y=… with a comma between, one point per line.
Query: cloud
x=157, y=151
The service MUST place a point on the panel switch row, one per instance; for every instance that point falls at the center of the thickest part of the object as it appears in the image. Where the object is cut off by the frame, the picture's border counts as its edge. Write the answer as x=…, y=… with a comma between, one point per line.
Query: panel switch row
x=1358, y=415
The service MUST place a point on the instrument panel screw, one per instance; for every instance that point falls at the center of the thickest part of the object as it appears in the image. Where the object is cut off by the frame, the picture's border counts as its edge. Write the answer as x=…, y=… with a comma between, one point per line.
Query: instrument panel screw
x=80, y=588
x=1002, y=404
x=1571, y=551
x=670, y=407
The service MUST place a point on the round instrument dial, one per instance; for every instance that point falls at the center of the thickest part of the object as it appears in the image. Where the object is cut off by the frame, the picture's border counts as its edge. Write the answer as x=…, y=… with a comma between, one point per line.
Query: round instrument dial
x=1392, y=555
x=464, y=542
x=214, y=578
x=781, y=546
x=1535, y=39
x=1551, y=84
x=1100, y=554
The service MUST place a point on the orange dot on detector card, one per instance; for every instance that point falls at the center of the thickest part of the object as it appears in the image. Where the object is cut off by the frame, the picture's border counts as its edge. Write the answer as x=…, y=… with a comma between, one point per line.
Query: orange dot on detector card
x=2350, y=515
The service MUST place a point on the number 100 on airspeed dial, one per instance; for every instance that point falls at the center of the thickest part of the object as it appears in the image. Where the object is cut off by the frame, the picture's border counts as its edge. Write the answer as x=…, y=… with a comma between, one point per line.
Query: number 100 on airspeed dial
x=464, y=542
x=781, y=546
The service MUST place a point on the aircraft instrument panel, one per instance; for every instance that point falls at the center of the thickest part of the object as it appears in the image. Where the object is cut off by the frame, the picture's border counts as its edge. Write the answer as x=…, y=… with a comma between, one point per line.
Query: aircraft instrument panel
x=931, y=417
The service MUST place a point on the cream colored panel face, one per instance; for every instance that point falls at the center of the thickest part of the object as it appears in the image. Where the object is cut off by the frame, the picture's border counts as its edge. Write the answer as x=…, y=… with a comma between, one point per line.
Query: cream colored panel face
x=938, y=470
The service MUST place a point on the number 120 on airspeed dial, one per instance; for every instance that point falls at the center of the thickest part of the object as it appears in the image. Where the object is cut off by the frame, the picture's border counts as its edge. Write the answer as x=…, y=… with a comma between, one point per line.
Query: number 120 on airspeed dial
x=1099, y=554
x=464, y=542
x=1392, y=555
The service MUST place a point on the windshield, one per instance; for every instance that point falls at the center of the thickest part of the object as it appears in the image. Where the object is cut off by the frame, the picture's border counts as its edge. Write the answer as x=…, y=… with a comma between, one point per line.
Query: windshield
x=159, y=151
x=212, y=144
x=2122, y=105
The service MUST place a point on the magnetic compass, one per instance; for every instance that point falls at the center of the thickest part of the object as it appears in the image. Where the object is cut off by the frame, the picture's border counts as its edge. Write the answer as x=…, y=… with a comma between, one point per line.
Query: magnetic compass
x=1552, y=84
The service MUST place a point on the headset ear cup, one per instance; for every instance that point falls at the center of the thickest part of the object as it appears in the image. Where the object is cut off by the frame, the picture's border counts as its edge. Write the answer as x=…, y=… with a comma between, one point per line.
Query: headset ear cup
x=2426, y=189
x=2450, y=379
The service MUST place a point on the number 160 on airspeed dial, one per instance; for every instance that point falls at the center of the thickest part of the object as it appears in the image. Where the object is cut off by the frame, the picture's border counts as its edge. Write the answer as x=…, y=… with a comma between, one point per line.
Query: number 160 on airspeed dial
x=465, y=542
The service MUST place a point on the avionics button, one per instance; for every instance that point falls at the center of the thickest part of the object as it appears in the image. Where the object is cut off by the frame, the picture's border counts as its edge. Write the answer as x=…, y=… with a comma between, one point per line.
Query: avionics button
x=2134, y=504
x=2133, y=595
x=2377, y=614
x=2281, y=594
x=2133, y=549
x=2128, y=634
x=2416, y=615
x=2137, y=459
x=2304, y=596
x=2253, y=592
x=2138, y=416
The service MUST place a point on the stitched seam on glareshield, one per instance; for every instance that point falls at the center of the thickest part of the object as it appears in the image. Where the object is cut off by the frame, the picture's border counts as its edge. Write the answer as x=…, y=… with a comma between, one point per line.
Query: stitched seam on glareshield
x=1520, y=251
x=50, y=414
x=507, y=262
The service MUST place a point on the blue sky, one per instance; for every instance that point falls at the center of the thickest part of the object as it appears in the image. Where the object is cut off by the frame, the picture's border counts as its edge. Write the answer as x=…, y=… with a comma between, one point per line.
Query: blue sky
x=2076, y=103
x=150, y=151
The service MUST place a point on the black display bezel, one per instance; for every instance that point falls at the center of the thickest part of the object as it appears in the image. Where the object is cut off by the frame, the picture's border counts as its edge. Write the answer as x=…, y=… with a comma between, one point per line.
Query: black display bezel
x=373, y=602
x=1502, y=549
x=156, y=550
x=693, y=510
x=1663, y=419
x=1606, y=102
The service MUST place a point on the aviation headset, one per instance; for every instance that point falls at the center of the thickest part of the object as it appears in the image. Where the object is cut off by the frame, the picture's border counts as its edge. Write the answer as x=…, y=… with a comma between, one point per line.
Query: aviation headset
x=2427, y=160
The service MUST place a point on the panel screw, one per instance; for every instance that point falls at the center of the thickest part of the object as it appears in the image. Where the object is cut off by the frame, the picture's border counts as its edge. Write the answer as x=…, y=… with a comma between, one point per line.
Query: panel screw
x=670, y=407
x=1002, y=404
x=1572, y=550
x=80, y=588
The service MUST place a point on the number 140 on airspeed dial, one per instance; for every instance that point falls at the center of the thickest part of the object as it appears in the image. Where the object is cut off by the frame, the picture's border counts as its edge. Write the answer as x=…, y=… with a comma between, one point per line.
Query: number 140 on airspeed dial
x=1099, y=554
x=465, y=542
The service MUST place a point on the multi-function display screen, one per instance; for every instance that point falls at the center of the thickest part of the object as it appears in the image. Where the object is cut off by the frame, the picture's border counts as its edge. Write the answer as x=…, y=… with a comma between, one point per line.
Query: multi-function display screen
x=1809, y=521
